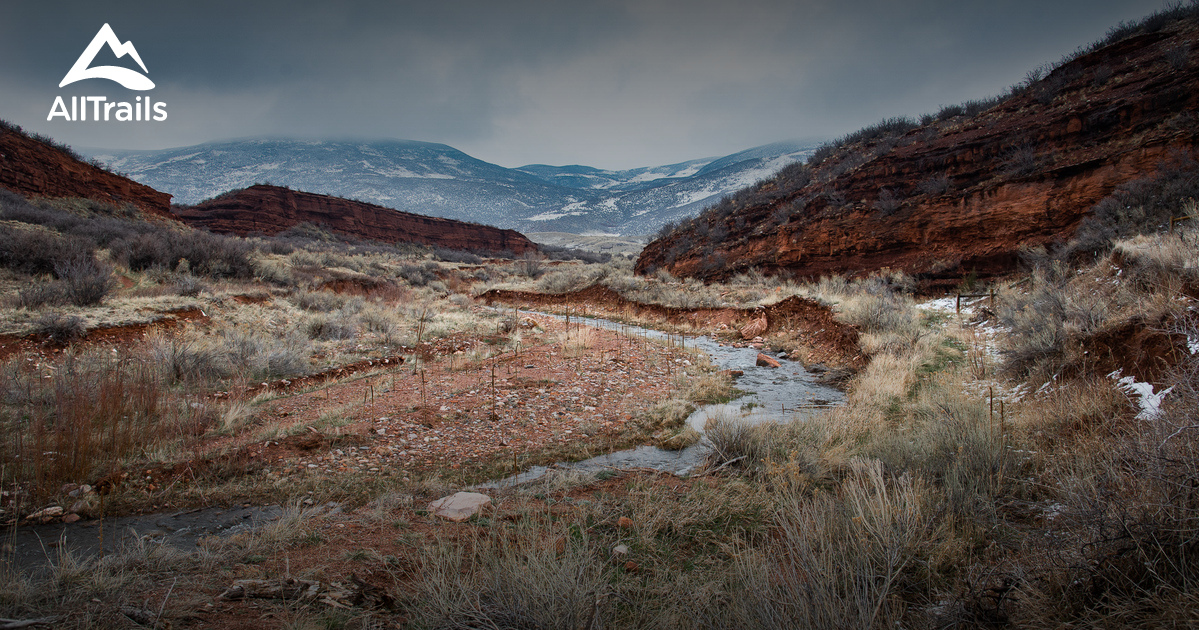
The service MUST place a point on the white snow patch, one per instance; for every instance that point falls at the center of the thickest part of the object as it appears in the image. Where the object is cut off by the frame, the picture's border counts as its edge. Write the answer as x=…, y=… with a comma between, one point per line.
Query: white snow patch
x=949, y=304
x=400, y=171
x=547, y=216
x=1150, y=403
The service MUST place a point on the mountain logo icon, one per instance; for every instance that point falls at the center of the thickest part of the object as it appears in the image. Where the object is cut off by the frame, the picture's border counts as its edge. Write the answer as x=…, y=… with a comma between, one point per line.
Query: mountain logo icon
x=130, y=79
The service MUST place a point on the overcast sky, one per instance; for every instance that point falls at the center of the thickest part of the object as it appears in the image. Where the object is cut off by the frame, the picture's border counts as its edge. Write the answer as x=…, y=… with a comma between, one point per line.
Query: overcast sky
x=612, y=84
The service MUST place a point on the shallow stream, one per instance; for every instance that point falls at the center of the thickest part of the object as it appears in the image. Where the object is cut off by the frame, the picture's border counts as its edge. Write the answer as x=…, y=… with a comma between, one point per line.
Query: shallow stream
x=772, y=395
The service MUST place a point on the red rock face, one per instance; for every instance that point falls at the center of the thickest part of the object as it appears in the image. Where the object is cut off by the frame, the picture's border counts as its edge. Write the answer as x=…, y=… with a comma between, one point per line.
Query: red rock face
x=1024, y=173
x=35, y=169
x=271, y=209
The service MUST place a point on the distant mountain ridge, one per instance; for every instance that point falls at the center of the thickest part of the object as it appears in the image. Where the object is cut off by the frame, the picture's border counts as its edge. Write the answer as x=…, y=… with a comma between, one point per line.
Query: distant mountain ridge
x=439, y=180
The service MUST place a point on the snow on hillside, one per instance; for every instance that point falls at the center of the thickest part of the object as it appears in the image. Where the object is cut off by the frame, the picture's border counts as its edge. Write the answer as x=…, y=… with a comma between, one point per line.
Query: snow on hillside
x=439, y=180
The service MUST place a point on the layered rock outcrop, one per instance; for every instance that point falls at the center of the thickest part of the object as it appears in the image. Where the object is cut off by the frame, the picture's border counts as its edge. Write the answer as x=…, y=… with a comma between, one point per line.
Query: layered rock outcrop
x=272, y=209
x=33, y=168
x=965, y=194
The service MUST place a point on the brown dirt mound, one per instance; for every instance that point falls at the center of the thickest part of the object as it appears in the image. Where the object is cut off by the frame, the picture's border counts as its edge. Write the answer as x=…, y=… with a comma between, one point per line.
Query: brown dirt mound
x=832, y=343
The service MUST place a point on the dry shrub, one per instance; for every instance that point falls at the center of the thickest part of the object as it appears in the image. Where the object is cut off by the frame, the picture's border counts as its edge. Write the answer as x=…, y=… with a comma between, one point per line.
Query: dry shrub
x=523, y=580
x=731, y=439
x=577, y=341
x=570, y=278
x=39, y=294
x=1061, y=308
x=1081, y=413
x=841, y=561
x=85, y=417
x=1137, y=513
x=196, y=357
x=85, y=281
x=317, y=301
x=60, y=327
x=328, y=328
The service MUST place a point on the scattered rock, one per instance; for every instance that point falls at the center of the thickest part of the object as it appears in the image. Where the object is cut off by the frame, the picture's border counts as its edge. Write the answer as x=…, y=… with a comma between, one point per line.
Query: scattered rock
x=620, y=550
x=459, y=506
x=71, y=518
x=754, y=328
x=767, y=361
x=53, y=511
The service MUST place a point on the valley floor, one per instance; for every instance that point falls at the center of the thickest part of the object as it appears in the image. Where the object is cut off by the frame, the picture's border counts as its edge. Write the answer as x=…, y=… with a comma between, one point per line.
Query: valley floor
x=989, y=467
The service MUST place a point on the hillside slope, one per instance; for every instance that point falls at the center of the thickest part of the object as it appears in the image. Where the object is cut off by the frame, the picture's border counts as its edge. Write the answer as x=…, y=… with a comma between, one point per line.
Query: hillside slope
x=34, y=168
x=963, y=194
x=272, y=209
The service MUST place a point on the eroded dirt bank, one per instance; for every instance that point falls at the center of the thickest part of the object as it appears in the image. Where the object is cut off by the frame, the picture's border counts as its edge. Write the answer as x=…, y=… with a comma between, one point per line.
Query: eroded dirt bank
x=823, y=340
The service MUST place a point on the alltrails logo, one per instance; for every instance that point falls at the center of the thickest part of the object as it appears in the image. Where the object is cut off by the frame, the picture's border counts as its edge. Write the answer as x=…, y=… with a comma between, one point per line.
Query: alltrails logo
x=142, y=108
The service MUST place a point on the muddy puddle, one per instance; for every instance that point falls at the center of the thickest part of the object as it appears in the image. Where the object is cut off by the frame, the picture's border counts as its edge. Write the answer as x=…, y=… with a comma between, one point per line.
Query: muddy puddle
x=781, y=394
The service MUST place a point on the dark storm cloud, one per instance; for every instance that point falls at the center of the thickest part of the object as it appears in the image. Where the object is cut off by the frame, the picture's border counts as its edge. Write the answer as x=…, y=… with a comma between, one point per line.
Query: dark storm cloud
x=614, y=84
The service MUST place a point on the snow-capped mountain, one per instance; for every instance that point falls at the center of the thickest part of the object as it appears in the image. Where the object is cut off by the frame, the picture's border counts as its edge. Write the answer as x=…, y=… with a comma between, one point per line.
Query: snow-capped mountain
x=438, y=180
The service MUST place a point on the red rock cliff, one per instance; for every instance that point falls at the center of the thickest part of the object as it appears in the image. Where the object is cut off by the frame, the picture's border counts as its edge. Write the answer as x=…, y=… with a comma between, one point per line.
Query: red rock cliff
x=36, y=169
x=271, y=209
x=965, y=194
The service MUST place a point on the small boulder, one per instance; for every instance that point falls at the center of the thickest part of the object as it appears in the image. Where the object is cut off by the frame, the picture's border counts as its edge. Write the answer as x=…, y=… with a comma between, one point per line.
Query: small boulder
x=624, y=522
x=767, y=361
x=754, y=328
x=459, y=506
x=620, y=550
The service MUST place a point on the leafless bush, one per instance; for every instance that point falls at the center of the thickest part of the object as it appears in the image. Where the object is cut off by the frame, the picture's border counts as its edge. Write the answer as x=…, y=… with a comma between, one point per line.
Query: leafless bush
x=888, y=202
x=60, y=328
x=39, y=294
x=1141, y=206
x=452, y=255
x=1022, y=160
x=94, y=411
x=532, y=264
x=950, y=111
x=935, y=185
x=731, y=440
x=190, y=359
x=1178, y=56
x=85, y=281
x=188, y=286
x=37, y=251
